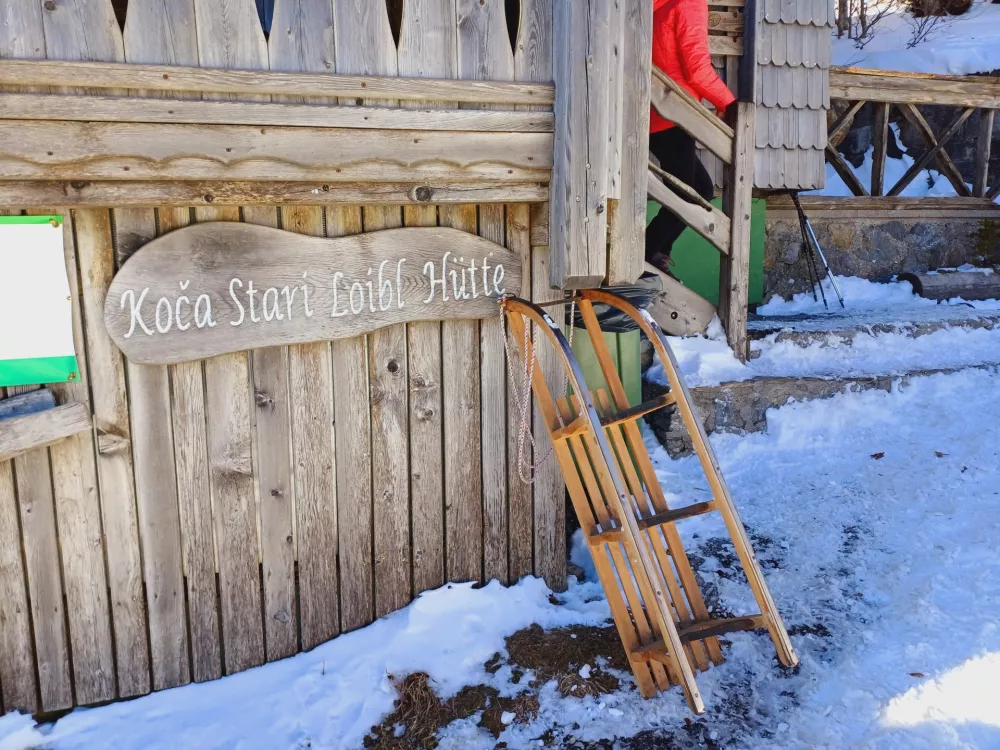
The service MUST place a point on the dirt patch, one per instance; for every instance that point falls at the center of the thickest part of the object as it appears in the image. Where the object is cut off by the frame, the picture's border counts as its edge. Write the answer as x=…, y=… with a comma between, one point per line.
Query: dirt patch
x=419, y=714
x=561, y=654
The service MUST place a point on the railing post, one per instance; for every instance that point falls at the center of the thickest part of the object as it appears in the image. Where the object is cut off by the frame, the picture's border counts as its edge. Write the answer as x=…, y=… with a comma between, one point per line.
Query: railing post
x=734, y=269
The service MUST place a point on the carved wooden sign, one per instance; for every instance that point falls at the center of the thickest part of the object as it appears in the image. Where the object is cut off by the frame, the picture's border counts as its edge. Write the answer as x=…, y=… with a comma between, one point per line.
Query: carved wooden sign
x=222, y=287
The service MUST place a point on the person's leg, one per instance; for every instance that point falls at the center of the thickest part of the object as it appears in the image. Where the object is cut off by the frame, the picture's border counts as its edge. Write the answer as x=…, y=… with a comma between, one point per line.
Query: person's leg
x=665, y=226
x=677, y=153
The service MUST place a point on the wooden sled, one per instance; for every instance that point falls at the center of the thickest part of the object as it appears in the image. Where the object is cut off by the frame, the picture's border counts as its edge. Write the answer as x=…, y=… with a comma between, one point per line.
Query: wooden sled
x=658, y=609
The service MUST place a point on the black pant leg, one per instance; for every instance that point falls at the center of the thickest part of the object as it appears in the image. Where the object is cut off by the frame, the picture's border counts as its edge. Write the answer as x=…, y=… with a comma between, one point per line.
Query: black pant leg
x=677, y=153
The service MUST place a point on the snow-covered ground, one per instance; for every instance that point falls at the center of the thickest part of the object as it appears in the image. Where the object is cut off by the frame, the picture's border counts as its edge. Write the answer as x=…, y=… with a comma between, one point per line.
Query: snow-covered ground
x=875, y=515
x=958, y=45
x=708, y=360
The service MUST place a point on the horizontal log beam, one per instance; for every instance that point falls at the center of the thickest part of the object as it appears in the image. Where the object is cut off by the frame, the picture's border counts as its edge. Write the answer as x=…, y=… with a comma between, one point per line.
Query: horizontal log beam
x=102, y=75
x=19, y=194
x=858, y=207
x=713, y=225
x=22, y=434
x=914, y=88
x=123, y=109
x=141, y=151
x=677, y=105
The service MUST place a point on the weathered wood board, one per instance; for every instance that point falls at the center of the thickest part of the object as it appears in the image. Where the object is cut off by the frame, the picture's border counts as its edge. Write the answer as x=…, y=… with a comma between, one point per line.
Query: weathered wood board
x=224, y=287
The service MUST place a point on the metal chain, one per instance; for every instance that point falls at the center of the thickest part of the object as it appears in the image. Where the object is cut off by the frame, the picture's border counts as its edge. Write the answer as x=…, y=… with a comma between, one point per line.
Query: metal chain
x=526, y=470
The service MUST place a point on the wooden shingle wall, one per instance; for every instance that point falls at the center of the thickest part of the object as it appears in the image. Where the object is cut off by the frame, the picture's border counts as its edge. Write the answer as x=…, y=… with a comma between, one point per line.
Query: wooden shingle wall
x=793, y=92
x=236, y=510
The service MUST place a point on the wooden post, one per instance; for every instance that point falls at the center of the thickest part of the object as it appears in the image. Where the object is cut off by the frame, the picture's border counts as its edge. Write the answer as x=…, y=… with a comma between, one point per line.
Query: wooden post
x=579, y=188
x=626, y=254
x=734, y=269
x=881, y=144
x=981, y=167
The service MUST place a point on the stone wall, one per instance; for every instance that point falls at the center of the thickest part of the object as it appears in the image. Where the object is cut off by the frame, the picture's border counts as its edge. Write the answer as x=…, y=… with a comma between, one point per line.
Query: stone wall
x=877, y=248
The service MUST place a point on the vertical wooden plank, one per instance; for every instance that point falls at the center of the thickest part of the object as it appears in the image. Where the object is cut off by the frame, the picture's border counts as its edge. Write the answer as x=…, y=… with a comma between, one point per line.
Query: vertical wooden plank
x=533, y=62
x=302, y=40
x=22, y=36
x=272, y=453
x=463, y=480
x=85, y=30
x=158, y=31
x=426, y=44
x=518, y=491
x=579, y=188
x=880, y=127
x=734, y=270
x=230, y=36
x=981, y=168
x=353, y=456
x=17, y=665
x=363, y=45
x=484, y=53
x=626, y=256
x=114, y=459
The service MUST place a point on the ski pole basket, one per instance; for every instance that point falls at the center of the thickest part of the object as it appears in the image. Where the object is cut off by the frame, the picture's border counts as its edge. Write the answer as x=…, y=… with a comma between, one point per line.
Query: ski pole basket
x=658, y=609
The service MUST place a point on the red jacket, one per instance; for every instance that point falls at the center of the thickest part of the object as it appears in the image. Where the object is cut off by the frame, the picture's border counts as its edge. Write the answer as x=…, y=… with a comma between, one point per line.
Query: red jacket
x=680, y=49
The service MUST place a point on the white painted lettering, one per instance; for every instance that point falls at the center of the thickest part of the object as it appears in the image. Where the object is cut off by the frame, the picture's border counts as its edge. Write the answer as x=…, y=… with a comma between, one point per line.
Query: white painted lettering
x=498, y=273
x=135, y=314
x=164, y=304
x=232, y=294
x=384, y=289
x=334, y=313
x=399, y=283
x=271, y=310
x=289, y=293
x=204, y=318
x=251, y=294
x=361, y=297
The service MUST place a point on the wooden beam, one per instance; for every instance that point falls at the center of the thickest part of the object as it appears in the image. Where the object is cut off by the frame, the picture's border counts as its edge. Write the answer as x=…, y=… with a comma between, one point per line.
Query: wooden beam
x=143, y=151
x=936, y=153
x=678, y=106
x=578, y=206
x=844, y=122
x=734, y=268
x=152, y=193
x=897, y=208
x=713, y=225
x=257, y=82
x=27, y=403
x=944, y=162
x=725, y=46
x=209, y=112
x=22, y=434
x=842, y=168
x=880, y=126
x=983, y=148
x=914, y=88
x=945, y=285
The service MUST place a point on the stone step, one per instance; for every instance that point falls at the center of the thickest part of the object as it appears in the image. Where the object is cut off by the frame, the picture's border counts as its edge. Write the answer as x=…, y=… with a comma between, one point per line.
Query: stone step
x=742, y=406
x=843, y=328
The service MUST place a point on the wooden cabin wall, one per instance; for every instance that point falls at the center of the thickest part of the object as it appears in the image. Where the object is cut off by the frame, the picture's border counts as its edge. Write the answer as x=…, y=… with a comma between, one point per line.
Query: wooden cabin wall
x=234, y=511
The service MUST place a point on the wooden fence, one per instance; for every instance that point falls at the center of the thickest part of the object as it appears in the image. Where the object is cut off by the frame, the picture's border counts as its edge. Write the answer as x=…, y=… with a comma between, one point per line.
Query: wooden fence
x=230, y=512
x=905, y=91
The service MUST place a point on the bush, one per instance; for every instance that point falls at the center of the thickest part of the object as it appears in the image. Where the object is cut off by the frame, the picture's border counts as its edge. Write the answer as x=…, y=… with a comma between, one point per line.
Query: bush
x=924, y=8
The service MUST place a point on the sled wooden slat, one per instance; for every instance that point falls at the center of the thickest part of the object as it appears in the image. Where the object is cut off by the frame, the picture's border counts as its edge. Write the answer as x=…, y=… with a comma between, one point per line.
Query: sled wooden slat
x=658, y=607
x=626, y=467
x=670, y=516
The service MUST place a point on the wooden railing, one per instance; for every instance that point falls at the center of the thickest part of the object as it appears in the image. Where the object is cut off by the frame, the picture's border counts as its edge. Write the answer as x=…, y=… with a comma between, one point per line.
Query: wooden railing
x=905, y=91
x=727, y=230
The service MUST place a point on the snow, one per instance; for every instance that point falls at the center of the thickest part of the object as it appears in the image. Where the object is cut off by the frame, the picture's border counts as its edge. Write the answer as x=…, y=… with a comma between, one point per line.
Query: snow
x=331, y=696
x=885, y=570
x=959, y=45
x=708, y=361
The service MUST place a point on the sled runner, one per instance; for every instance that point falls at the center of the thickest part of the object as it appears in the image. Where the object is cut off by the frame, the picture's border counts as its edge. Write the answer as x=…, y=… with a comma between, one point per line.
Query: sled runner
x=659, y=611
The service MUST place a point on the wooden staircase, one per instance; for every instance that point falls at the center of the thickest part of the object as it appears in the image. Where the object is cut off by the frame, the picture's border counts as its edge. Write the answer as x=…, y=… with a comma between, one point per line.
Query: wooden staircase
x=727, y=230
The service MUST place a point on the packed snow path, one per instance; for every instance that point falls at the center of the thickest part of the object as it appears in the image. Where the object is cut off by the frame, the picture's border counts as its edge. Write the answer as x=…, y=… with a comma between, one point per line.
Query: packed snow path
x=876, y=516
